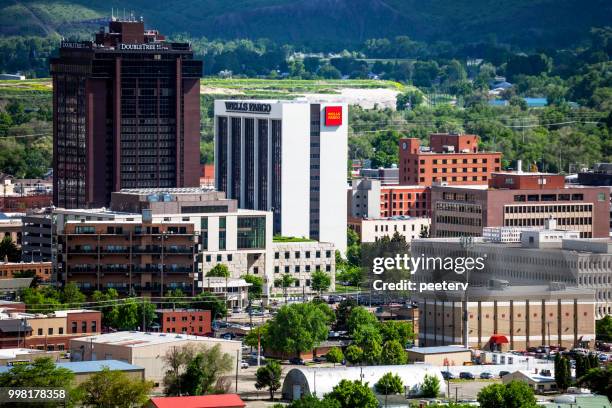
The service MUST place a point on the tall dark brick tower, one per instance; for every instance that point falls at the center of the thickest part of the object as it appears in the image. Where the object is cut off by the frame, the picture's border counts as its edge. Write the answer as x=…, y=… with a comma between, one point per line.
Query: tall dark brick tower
x=126, y=114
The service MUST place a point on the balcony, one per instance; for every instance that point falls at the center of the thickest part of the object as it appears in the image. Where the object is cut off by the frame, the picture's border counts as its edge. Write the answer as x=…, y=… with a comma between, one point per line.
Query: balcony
x=179, y=250
x=115, y=250
x=92, y=250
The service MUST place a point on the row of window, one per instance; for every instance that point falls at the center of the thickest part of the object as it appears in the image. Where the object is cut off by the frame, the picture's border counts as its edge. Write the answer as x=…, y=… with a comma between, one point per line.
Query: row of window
x=298, y=254
x=298, y=268
x=73, y=329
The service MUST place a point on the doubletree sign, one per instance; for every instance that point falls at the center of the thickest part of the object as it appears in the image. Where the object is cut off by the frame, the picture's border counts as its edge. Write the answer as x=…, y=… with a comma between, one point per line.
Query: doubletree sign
x=333, y=115
x=248, y=107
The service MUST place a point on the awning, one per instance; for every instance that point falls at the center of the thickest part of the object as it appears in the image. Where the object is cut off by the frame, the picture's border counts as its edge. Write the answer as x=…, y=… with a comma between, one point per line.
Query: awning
x=498, y=339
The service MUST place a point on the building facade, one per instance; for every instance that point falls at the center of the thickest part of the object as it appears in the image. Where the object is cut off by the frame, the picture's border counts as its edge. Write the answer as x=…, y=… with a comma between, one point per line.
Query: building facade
x=520, y=200
x=126, y=113
x=373, y=229
x=42, y=270
x=450, y=158
x=528, y=316
x=185, y=321
x=289, y=158
x=368, y=198
x=36, y=237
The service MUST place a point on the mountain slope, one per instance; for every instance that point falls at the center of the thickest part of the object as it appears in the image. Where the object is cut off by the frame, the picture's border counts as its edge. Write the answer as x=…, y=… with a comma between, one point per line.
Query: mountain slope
x=341, y=22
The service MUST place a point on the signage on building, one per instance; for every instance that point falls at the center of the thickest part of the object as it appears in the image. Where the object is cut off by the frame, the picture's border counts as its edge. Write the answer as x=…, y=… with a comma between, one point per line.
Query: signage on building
x=248, y=107
x=76, y=44
x=333, y=115
x=143, y=47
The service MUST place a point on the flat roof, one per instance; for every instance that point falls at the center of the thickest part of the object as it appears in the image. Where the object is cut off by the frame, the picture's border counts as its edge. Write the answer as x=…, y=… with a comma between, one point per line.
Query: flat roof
x=13, y=352
x=439, y=350
x=174, y=190
x=144, y=339
x=83, y=367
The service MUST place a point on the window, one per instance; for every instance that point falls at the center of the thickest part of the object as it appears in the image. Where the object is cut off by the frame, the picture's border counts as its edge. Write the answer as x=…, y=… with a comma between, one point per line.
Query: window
x=84, y=327
x=276, y=255
x=40, y=332
x=74, y=327
x=276, y=269
x=297, y=254
x=297, y=268
x=60, y=330
x=328, y=254
x=94, y=326
x=50, y=331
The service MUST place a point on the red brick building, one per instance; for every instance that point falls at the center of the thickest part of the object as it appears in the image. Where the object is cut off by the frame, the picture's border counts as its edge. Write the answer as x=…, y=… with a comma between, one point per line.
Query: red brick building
x=450, y=158
x=413, y=201
x=185, y=321
x=520, y=200
x=27, y=202
x=43, y=270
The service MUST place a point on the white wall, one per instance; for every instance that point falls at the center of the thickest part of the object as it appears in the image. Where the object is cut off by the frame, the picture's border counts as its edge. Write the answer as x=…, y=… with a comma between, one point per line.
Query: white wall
x=333, y=200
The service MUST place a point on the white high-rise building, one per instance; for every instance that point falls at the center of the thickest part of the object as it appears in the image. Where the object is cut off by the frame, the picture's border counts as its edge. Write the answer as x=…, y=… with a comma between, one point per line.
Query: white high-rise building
x=288, y=157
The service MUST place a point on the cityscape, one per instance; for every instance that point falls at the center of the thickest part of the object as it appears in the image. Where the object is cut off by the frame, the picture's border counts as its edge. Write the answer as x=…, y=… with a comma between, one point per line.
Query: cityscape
x=216, y=217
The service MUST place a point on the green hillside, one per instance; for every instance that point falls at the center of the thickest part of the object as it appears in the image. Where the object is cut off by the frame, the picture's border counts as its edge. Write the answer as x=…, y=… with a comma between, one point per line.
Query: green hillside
x=534, y=23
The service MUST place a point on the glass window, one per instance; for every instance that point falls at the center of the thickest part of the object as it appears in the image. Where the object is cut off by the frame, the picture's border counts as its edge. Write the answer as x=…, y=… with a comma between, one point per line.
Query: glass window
x=251, y=233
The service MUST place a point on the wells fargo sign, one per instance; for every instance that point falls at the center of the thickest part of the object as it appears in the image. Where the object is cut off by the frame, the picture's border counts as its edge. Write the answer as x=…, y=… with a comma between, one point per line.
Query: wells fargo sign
x=333, y=115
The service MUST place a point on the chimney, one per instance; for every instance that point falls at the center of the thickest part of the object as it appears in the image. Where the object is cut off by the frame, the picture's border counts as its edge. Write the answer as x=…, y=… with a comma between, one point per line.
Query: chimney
x=519, y=166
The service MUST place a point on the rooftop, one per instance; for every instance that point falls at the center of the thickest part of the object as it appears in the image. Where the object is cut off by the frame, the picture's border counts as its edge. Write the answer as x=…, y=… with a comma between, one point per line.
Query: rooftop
x=82, y=367
x=144, y=339
x=438, y=350
x=14, y=352
x=177, y=190
x=204, y=401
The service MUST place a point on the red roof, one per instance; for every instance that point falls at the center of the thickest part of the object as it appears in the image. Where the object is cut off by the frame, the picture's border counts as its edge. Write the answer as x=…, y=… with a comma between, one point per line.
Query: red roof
x=204, y=401
x=499, y=339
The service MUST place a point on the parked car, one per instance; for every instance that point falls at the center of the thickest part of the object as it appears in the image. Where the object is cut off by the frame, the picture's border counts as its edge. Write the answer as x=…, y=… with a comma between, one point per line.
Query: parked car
x=448, y=375
x=319, y=359
x=244, y=364
x=466, y=375
x=296, y=361
x=486, y=375
x=502, y=373
x=228, y=336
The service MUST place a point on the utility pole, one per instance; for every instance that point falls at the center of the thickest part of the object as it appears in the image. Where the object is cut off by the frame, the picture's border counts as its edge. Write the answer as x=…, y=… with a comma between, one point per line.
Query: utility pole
x=237, y=366
x=144, y=323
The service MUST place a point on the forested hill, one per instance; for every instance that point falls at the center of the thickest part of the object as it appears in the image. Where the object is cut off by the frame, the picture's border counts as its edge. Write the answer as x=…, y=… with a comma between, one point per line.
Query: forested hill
x=329, y=23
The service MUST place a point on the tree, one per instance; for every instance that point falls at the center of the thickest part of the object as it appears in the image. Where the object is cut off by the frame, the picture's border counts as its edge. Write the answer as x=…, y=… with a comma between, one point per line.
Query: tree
x=256, y=336
x=71, y=296
x=399, y=331
x=41, y=373
x=329, y=72
x=114, y=389
x=352, y=394
x=9, y=250
x=204, y=370
x=343, y=312
x=42, y=299
x=360, y=316
x=369, y=340
x=430, y=387
x=320, y=281
x=212, y=302
x=393, y=353
x=603, y=329
x=562, y=372
x=130, y=313
x=285, y=282
x=218, y=271
x=310, y=401
x=598, y=380
x=409, y=99
x=335, y=355
x=354, y=354
x=269, y=377
x=256, y=288
x=298, y=328
x=515, y=394
x=106, y=306
x=389, y=384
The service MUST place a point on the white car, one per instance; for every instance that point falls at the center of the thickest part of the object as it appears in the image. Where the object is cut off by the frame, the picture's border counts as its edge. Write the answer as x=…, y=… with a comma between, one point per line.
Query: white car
x=244, y=364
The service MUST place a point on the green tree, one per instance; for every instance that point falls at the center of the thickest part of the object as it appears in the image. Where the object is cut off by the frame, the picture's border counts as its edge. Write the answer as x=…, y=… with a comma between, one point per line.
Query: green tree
x=389, y=384
x=256, y=288
x=358, y=317
x=285, y=282
x=9, y=250
x=131, y=313
x=41, y=300
x=598, y=380
x=298, y=328
x=269, y=377
x=329, y=72
x=335, y=355
x=603, y=329
x=369, y=340
x=393, y=353
x=430, y=387
x=409, y=99
x=352, y=394
x=256, y=336
x=71, y=296
x=212, y=302
x=562, y=372
x=399, y=331
x=114, y=389
x=343, y=311
x=41, y=373
x=204, y=371
x=310, y=401
x=515, y=394
x=320, y=281
x=106, y=304
x=218, y=271
x=354, y=354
